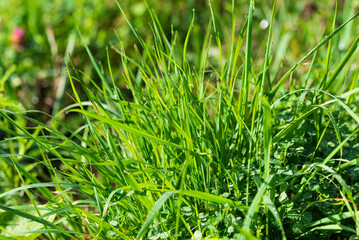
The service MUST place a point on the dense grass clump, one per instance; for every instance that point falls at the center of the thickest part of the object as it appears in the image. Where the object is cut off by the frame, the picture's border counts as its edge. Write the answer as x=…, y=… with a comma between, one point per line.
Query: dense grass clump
x=219, y=148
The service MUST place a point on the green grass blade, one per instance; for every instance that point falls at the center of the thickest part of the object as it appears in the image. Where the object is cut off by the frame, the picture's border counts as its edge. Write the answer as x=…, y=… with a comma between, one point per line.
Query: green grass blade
x=253, y=208
x=267, y=132
x=41, y=185
x=213, y=198
x=331, y=219
x=187, y=39
x=94, y=63
x=293, y=125
x=274, y=211
x=156, y=208
x=343, y=62
x=127, y=128
x=331, y=227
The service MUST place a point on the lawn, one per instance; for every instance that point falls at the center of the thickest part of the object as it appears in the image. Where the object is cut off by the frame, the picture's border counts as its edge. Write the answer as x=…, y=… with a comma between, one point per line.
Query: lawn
x=179, y=119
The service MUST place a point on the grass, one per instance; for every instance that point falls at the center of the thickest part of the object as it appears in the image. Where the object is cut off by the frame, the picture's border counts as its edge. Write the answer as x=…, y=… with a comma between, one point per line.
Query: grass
x=229, y=148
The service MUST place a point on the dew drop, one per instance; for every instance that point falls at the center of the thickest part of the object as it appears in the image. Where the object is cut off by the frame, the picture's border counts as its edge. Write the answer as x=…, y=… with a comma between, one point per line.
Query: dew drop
x=264, y=24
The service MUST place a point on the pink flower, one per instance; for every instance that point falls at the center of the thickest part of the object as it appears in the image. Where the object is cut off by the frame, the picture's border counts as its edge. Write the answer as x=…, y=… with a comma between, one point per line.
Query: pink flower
x=18, y=40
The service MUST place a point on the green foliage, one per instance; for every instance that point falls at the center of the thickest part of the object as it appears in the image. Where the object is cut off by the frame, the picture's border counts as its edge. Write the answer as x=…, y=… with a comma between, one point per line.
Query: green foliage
x=220, y=140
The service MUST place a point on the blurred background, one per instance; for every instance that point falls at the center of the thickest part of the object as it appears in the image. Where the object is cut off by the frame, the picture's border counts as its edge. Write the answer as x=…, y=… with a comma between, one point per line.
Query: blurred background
x=36, y=37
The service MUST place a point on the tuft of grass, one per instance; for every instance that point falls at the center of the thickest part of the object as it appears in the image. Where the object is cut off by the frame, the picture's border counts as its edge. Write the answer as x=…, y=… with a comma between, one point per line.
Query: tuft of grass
x=211, y=150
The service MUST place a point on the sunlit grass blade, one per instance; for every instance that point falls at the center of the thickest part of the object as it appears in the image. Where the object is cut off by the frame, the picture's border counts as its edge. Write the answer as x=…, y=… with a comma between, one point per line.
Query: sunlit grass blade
x=343, y=62
x=127, y=128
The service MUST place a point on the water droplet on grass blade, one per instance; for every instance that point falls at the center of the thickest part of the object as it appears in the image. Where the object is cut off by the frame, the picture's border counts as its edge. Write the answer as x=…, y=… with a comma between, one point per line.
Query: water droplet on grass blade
x=264, y=24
